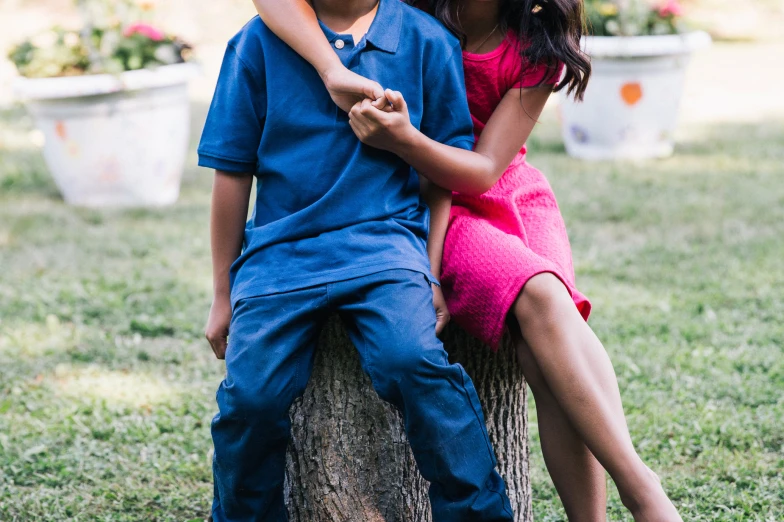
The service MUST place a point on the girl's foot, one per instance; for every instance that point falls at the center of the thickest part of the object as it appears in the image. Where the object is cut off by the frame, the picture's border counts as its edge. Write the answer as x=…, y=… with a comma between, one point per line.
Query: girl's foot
x=654, y=506
x=660, y=510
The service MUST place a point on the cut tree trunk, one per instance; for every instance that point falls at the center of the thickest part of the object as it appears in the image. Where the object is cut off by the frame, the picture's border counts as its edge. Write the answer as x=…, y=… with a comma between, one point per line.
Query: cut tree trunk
x=349, y=460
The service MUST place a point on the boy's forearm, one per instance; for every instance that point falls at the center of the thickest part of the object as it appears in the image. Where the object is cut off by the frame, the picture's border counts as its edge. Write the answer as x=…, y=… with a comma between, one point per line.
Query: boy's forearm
x=230, y=199
x=449, y=167
x=440, y=201
x=295, y=22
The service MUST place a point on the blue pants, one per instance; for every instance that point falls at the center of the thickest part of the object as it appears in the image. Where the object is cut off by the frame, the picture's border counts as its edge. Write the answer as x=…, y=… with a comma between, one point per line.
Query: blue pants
x=390, y=319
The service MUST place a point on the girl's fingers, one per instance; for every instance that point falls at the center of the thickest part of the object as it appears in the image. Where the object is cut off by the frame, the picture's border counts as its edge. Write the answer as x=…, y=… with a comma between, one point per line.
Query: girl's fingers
x=355, y=110
x=355, y=127
x=371, y=113
x=383, y=104
x=366, y=107
x=358, y=124
x=396, y=99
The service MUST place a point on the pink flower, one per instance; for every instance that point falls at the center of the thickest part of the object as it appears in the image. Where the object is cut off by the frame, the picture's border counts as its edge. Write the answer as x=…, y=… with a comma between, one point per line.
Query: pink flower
x=670, y=8
x=153, y=33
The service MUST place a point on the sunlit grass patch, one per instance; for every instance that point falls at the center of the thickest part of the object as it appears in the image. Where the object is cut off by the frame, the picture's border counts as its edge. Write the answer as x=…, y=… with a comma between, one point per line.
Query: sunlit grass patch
x=114, y=387
x=38, y=339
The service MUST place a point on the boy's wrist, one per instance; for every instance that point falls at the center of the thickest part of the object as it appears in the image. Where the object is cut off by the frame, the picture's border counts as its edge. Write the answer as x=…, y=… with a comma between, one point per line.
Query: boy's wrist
x=221, y=291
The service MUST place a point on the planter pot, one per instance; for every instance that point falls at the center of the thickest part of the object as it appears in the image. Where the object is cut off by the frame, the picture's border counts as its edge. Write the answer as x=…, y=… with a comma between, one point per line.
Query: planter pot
x=632, y=100
x=114, y=140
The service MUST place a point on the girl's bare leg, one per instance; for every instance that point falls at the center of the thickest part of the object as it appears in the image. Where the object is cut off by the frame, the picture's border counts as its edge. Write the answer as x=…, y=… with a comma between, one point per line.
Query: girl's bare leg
x=577, y=475
x=581, y=378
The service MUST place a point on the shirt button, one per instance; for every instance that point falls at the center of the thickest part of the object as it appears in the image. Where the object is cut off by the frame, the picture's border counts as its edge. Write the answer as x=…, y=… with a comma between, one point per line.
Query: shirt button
x=339, y=44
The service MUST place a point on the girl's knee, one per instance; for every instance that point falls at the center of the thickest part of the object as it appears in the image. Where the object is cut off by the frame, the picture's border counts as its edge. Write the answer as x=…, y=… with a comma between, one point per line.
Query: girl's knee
x=542, y=297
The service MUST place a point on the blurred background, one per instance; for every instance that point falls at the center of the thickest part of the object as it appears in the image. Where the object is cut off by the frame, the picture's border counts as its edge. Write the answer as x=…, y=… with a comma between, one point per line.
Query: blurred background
x=107, y=387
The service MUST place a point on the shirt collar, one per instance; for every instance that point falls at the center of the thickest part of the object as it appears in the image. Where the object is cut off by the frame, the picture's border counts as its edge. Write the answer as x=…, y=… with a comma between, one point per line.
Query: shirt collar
x=384, y=31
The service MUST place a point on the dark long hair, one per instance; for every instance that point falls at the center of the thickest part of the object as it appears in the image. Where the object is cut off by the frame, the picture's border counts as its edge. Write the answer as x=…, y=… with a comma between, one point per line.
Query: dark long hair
x=548, y=33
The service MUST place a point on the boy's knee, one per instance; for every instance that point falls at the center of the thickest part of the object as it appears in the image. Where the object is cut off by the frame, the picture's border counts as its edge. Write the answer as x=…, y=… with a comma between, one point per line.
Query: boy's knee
x=253, y=406
x=403, y=362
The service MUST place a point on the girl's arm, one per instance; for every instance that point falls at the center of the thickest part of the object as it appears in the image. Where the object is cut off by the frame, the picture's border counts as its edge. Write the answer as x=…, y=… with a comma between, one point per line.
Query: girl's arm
x=440, y=201
x=295, y=22
x=230, y=199
x=455, y=169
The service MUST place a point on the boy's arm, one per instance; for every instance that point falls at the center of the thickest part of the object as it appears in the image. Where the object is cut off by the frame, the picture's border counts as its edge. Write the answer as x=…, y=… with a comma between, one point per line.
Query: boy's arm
x=230, y=199
x=439, y=201
x=295, y=22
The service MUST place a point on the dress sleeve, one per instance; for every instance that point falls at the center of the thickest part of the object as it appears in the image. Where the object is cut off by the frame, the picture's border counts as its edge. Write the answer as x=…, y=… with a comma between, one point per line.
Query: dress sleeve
x=522, y=74
x=232, y=132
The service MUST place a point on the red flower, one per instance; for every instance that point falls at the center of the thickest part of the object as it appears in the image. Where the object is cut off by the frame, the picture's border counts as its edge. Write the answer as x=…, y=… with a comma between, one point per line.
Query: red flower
x=670, y=8
x=153, y=33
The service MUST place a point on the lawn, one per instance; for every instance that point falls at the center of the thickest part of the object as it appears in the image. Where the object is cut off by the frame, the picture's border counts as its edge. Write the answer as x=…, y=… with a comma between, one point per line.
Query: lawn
x=107, y=388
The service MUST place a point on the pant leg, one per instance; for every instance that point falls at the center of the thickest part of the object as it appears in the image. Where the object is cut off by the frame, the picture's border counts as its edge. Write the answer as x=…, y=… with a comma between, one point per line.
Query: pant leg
x=391, y=320
x=268, y=363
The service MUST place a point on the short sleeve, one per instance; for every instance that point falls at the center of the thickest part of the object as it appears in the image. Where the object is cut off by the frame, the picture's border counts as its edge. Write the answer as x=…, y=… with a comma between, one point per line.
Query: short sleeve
x=232, y=132
x=533, y=75
x=445, y=115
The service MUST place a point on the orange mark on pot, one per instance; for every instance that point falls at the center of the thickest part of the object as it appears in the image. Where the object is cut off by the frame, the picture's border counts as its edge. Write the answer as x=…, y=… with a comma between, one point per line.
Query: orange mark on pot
x=631, y=93
x=59, y=129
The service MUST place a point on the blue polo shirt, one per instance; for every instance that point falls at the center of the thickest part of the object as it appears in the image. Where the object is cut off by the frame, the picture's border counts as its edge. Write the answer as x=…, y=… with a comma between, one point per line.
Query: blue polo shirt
x=329, y=208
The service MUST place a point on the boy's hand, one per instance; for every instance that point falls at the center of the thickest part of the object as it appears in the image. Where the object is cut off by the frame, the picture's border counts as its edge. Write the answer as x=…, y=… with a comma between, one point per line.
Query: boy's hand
x=442, y=313
x=387, y=127
x=346, y=88
x=217, y=329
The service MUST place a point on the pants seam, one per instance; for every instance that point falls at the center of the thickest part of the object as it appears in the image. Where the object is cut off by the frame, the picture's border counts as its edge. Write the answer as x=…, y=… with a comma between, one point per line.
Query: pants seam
x=487, y=439
x=368, y=364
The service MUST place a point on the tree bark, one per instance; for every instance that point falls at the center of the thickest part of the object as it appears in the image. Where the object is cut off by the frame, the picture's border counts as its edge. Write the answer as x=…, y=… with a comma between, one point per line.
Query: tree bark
x=349, y=460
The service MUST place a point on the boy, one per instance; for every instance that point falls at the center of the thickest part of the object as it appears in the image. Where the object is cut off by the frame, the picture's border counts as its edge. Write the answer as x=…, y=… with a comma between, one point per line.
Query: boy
x=337, y=228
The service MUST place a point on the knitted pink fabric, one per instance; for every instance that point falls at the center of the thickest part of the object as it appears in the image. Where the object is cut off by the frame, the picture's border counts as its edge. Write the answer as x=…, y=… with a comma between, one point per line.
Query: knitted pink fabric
x=498, y=241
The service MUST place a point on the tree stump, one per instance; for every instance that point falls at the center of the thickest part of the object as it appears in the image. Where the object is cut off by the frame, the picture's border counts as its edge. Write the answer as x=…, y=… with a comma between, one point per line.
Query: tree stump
x=349, y=460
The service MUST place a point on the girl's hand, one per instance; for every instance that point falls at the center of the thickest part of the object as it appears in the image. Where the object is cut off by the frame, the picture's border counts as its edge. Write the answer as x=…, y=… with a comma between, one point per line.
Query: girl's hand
x=442, y=313
x=347, y=88
x=384, y=123
x=217, y=329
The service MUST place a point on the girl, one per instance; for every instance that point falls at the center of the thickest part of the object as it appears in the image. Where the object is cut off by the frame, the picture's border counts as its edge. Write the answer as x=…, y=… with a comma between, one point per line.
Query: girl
x=507, y=260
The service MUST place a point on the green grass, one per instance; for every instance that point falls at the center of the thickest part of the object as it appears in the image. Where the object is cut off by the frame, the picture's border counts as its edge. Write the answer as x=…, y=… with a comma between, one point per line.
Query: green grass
x=107, y=390
x=683, y=261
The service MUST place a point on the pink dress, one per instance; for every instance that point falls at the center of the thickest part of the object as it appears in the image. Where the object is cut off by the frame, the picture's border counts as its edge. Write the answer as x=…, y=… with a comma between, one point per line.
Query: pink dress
x=496, y=242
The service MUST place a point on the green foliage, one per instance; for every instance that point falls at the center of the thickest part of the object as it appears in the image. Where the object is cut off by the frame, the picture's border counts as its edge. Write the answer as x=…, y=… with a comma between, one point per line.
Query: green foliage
x=633, y=17
x=113, y=39
x=55, y=53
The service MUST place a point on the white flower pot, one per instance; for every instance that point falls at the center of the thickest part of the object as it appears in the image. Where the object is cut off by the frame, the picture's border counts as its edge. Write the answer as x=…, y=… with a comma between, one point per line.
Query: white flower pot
x=632, y=100
x=114, y=140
